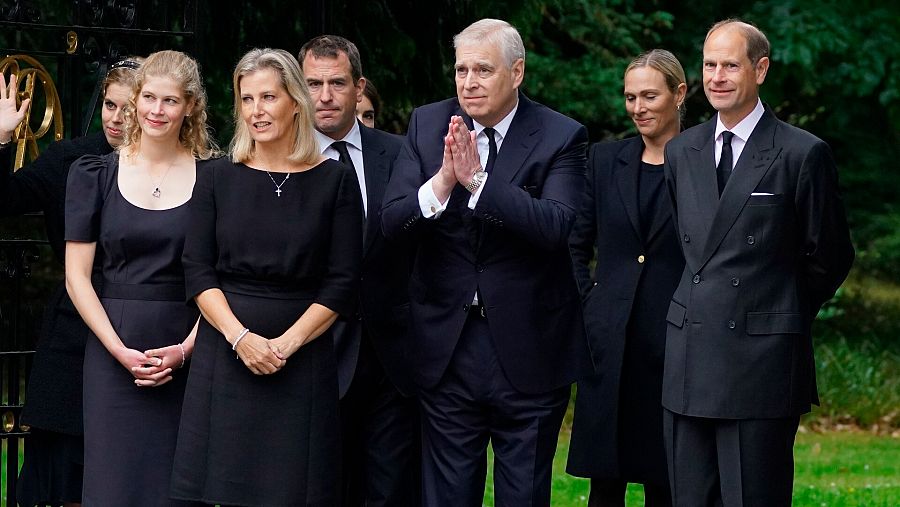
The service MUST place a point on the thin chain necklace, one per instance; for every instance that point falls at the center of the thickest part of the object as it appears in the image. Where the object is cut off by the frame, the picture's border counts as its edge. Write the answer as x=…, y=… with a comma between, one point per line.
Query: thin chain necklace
x=156, y=192
x=278, y=185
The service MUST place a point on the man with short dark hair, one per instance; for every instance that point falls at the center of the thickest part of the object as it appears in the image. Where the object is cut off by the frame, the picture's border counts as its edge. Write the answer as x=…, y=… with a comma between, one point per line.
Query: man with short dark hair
x=766, y=243
x=379, y=422
x=487, y=186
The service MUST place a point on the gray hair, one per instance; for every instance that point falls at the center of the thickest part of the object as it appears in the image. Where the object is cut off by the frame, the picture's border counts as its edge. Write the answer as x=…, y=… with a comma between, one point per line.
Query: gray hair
x=495, y=32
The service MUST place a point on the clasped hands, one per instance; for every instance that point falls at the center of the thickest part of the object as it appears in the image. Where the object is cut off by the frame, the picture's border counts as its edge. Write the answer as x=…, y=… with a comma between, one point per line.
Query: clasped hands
x=263, y=356
x=460, y=161
x=151, y=368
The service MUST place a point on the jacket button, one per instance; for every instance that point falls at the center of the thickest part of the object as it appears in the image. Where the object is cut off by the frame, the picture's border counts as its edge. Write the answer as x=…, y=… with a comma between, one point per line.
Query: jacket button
x=640, y=259
x=687, y=239
x=735, y=282
x=696, y=278
x=751, y=240
x=731, y=324
x=480, y=268
x=466, y=307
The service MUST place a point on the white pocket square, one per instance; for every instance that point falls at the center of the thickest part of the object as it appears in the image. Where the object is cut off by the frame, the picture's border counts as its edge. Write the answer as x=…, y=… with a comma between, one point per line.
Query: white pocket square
x=761, y=193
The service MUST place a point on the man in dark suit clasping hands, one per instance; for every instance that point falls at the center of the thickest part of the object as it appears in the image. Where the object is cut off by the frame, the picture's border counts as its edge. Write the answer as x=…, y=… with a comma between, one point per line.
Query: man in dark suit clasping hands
x=486, y=186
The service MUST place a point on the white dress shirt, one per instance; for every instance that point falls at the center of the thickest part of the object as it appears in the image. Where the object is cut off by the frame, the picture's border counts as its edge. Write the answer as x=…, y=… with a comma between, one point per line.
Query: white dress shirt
x=430, y=205
x=354, y=148
x=741, y=133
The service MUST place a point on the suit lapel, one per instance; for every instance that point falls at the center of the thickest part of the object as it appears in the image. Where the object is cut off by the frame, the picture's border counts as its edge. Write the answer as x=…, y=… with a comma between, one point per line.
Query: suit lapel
x=521, y=138
x=756, y=158
x=626, y=176
x=701, y=175
x=376, y=168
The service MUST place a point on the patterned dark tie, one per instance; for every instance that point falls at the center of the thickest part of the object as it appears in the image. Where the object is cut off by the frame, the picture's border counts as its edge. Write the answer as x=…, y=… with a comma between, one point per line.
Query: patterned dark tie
x=723, y=170
x=492, y=149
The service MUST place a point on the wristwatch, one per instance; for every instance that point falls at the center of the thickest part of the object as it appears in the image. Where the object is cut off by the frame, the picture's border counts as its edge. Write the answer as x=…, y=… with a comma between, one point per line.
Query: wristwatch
x=477, y=179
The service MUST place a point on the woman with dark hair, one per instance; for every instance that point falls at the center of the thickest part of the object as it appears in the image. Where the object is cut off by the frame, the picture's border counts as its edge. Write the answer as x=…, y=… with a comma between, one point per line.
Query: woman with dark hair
x=272, y=257
x=128, y=210
x=368, y=108
x=54, y=451
x=617, y=436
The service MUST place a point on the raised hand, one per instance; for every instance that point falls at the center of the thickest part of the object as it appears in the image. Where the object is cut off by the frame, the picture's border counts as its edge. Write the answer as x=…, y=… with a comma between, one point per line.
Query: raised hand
x=445, y=179
x=10, y=116
x=463, y=150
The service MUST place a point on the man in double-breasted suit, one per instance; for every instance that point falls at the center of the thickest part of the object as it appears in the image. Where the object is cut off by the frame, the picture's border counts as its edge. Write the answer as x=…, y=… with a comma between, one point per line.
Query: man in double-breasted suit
x=379, y=418
x=761, y=258
x=487, y=185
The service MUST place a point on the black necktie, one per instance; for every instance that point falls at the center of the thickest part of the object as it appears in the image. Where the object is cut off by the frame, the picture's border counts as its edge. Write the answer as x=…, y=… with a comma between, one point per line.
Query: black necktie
x=344, y=158
x=723, y=170
x=492, y=149
x=343, y=154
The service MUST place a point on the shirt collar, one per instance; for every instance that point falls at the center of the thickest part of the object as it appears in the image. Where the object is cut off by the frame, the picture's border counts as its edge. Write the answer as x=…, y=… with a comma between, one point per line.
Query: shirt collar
x=353, y=138
x=502, y=127
x=744, y=127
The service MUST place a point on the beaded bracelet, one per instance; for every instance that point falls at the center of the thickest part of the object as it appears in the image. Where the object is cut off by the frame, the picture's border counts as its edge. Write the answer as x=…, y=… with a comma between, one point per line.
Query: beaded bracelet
x=183, y=357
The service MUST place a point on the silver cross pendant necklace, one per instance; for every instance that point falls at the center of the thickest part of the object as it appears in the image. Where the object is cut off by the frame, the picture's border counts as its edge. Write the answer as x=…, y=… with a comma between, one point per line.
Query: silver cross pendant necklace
x=278, y=185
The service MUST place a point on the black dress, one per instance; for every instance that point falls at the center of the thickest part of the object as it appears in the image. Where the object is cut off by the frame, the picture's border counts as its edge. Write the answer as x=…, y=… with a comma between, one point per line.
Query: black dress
x=269, y=440
x=129, y=431
x=52, y=466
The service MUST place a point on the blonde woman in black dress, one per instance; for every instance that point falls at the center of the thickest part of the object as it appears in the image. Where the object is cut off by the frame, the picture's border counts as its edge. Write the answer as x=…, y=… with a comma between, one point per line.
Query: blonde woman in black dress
x=127, y=210
x=272, y=257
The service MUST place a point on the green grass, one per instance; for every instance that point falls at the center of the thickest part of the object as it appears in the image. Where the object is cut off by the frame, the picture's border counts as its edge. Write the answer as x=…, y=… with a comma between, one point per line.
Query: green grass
x=831, y=470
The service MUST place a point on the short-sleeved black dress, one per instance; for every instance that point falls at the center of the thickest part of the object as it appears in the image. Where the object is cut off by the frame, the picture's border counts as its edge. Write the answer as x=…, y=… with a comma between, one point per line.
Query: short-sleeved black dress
x=268, y=440
x=129, y=431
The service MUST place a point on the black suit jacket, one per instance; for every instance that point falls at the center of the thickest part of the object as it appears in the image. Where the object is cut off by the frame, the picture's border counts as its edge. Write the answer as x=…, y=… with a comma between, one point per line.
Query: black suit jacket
x=383, y=298
x=521, y=268
x=625, y=301
x=758, y=269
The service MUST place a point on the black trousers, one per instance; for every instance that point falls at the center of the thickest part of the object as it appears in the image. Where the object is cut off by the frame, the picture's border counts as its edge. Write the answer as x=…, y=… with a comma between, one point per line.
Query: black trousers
x=380, y=439
x=473, y=404
x=730, y=462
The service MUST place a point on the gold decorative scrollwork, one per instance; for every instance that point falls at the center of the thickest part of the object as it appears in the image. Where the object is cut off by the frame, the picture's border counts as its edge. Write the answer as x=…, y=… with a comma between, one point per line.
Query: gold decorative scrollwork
x=29, y=72
x=71, y=42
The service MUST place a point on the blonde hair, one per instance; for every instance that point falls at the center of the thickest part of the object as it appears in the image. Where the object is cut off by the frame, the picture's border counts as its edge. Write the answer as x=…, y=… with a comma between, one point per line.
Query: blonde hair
x=306, y=146
x=184, y=70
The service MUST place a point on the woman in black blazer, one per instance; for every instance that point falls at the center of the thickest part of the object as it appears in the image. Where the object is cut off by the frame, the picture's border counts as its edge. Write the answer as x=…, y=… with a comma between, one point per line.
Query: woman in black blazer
x=626, y=216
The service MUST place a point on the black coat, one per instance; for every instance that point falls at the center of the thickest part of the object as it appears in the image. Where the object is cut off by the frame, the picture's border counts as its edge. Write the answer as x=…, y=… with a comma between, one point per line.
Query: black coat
x=53, y=398
x=625, y=306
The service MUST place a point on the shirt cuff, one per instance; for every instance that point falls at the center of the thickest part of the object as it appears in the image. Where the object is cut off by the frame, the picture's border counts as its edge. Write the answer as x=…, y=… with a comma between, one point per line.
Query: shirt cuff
x=473, y=200
x=429, y=203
